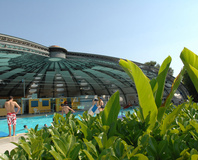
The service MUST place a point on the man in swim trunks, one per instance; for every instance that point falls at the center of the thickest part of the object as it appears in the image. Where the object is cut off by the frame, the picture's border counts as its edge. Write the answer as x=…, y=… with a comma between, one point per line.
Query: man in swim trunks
x=66, y=108
x=11, y=115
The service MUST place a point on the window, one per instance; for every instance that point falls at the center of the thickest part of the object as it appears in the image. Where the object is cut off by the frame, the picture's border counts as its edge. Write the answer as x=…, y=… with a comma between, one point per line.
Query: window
x=45, y=103
x=34, y=103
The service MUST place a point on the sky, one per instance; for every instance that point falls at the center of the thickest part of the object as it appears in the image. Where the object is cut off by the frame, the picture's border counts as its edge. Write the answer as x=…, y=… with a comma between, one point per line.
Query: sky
x=137, y=30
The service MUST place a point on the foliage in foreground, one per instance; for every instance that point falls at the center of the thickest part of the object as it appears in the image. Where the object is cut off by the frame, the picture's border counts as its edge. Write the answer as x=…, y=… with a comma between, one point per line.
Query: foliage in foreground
x=156, y=130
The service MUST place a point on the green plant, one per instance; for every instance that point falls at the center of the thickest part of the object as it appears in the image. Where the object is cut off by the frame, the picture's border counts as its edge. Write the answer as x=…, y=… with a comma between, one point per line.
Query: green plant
x=156, y=130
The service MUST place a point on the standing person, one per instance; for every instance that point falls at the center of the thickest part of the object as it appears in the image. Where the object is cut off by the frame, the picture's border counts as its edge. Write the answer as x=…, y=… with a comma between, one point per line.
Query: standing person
x=94, y=108
x=95, y=102
x=11, y=115
x=101, y=104
x=66, y=108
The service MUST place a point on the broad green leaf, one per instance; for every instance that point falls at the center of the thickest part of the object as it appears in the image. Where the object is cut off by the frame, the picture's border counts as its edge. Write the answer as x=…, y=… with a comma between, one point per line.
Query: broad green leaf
x=141, y=157
x=190, y=61
x=169, y=119
x=54, y=132
x=161, y=111
x=125, y=65
x=194, y=124
x=105, y=129
x=110, y=141
x=126, y=146
x=194, y=157
x=112, y=129
x=144, y=90
x=91, y=148
x=72, y=125
x=111, y=111
x=37, y=146
x=163, y=145
x=14, y=151
x=154, y=86
x=86, y=131
x=127, y=150
x=161, y=80
x=71, y=140
x=107, y=154
x=167, y=102
x=58, y=117
x=56, y=155
x=134, y=151
x=181, y=127
x=153, y=145
x=193, y=151
x=138, y=113
x=194, y=135
x=73, y=153
x=143, y=140
x=88, y=154
x=60, y=146
x=26, y=148
x=85, y=140
x=22, y=139
x=174, y=131
x=118, y=148
x=101, y=140
x=36, y=128
x=185, y=154
x=17, y=144
x=174, y=87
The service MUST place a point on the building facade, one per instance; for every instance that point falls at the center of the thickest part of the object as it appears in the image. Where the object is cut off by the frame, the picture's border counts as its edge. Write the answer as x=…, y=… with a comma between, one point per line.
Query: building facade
x=28, y=69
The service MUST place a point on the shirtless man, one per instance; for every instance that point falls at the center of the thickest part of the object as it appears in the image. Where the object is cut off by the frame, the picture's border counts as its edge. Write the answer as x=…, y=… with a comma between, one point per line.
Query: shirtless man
x=66, y=108
x=11, y=115
x=101, y=103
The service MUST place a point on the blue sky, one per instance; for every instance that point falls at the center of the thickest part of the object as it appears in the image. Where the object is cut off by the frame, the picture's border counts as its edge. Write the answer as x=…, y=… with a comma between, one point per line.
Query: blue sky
x=138, y=30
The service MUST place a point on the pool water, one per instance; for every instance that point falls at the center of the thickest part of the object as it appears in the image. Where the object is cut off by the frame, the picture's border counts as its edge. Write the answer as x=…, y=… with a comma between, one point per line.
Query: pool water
x=31, y=122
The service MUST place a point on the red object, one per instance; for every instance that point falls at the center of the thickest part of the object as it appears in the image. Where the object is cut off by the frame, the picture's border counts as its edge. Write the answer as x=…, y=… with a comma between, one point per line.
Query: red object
x=127, y=106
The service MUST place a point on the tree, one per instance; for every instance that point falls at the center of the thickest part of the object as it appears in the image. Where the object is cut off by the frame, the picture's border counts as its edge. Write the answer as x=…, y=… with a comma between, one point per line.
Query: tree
x=151, y=63
x=156, y=65
x=170, y=71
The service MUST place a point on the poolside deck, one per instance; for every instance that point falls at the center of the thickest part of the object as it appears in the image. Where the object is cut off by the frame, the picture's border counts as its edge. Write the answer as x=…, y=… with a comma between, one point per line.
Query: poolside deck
x=5, y=142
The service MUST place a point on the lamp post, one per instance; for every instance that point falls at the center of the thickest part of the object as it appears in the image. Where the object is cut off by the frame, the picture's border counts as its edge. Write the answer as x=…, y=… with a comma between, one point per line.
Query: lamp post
x=23, y=81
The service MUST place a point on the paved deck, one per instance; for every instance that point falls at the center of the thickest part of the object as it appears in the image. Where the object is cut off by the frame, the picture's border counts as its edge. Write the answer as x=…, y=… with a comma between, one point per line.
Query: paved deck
x=5, y=143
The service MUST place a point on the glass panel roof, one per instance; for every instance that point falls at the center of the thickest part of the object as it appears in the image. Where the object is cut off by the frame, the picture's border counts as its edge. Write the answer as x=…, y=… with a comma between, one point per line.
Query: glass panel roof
x=77, y=74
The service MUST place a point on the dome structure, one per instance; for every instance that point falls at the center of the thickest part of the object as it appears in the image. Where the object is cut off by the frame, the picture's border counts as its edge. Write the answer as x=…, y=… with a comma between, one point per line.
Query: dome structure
x=28, y=68
x=54, y=46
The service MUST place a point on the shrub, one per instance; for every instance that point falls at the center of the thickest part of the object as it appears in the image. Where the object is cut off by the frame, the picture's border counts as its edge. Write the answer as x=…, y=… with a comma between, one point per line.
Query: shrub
x=155, y=130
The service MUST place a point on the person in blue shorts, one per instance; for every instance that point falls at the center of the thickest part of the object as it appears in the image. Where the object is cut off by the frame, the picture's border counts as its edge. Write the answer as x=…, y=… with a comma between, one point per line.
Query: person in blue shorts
x=96, y=107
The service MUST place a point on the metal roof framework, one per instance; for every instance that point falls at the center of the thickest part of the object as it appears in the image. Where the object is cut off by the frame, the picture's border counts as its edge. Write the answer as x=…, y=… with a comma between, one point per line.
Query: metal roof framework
x=27, y=68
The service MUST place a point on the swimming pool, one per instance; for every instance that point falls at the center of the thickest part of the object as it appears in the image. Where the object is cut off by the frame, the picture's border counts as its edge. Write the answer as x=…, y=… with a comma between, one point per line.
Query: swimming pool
x=31, y=122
